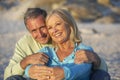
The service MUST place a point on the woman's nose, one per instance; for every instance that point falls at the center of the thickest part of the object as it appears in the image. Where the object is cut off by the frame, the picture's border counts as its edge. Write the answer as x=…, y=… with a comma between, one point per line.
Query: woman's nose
x=55, y=30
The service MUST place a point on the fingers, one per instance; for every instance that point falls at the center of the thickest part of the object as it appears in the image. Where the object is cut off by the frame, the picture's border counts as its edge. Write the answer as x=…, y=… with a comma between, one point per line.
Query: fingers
x=81, y=57
x=40, y=72
x=40, y=76
x=33, y=71
x=43, y=77
x=45, y=73
x=43, y=58
x=37, y=58
x=48, y=73
x=44, y=55
x=81, y=60
x=45, y=70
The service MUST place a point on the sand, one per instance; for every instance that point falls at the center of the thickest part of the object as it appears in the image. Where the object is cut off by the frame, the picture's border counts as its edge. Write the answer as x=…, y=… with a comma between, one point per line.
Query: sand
x=104, y=38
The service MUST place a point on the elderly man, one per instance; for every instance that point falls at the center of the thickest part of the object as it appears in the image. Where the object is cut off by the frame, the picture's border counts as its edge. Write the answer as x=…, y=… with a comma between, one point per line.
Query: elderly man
x=27, y=47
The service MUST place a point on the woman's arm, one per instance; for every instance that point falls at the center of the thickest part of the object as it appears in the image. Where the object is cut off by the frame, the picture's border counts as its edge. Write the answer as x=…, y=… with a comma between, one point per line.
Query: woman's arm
x=77, y=71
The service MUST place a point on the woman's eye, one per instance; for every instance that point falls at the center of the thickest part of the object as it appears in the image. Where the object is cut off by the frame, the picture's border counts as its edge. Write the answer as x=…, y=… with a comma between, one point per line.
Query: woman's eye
x=58, y=23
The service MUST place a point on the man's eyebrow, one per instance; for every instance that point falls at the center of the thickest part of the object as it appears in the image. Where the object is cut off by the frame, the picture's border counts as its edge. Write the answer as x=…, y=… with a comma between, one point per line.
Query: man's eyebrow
x=33, y=30
x=42, y=26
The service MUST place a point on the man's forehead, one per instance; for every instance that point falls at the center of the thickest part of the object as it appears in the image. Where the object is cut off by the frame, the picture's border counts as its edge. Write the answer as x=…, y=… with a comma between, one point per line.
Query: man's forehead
x=37, y=17
x=36, y=22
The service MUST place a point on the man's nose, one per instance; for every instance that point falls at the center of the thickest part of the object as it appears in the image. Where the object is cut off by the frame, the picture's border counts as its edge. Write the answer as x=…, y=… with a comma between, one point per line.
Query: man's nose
x=40, y=33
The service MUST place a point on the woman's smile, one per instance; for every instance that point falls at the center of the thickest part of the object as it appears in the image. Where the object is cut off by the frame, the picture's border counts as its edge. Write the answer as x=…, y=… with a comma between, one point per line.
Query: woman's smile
x=58, y=34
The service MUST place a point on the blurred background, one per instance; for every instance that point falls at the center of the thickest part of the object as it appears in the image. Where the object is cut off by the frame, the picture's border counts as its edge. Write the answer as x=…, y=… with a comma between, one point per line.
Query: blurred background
x=98, y=22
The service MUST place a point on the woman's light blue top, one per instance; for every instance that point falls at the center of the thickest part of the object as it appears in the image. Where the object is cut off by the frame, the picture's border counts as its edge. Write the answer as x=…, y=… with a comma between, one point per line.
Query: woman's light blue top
x=72, y=71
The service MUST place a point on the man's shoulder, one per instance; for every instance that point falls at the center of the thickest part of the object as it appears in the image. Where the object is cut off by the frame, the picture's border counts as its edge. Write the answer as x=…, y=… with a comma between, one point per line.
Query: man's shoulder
x=27, y=38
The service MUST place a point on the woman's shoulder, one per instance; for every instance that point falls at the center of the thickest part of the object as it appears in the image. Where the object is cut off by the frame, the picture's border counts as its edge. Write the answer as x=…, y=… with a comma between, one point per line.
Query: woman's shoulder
x=84, y=46
x=46, y=49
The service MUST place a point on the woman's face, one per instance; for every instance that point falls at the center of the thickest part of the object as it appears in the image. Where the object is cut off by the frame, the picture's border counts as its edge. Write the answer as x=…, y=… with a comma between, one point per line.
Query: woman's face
x=58, y=29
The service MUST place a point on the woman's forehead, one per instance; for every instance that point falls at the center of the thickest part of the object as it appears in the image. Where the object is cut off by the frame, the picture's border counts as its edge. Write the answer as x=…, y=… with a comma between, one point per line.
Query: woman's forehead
x=54, y=17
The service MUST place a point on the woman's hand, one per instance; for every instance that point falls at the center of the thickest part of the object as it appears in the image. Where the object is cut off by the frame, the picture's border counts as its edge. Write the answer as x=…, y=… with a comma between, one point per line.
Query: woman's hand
x=50, y=73
x=34, y=71
x=57, y=73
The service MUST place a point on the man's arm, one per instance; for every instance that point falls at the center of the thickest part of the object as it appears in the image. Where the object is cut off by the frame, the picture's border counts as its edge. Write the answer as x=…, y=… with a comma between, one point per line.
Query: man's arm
x=14, y=67
x=87, y=56
x=19, y=62
x=23, y=56
x=77, y=71
x=36, y=58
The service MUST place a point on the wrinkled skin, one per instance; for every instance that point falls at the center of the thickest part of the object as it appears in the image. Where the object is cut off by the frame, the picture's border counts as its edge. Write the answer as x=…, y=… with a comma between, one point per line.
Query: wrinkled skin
x=46, y=73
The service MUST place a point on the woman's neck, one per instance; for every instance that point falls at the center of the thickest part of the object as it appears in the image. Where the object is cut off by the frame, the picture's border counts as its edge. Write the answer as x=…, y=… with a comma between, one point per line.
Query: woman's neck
x=65, y=49
x=66, y=45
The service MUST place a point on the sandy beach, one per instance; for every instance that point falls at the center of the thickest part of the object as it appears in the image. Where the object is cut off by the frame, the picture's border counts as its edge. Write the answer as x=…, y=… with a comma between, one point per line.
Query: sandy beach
x=103, y=38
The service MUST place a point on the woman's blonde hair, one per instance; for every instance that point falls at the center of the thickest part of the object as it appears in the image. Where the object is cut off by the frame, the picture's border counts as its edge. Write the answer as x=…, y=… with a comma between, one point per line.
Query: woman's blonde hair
x=66, y=16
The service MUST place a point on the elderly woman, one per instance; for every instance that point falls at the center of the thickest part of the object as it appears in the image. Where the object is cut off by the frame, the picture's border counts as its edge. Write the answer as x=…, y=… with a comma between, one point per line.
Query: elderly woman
x=66, y=40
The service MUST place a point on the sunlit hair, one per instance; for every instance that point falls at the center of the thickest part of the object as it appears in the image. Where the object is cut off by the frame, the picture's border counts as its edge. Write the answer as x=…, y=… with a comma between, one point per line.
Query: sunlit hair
x=34, y=13
x=67, y=18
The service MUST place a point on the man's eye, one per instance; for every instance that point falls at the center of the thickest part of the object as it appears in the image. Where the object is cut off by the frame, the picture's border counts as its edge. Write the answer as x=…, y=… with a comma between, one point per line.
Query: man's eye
x=33, y=31
x=49, y=27
x=43, y=27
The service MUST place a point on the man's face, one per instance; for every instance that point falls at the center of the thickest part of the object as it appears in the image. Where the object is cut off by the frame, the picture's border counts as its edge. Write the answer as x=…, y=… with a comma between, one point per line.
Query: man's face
x=38, y=29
